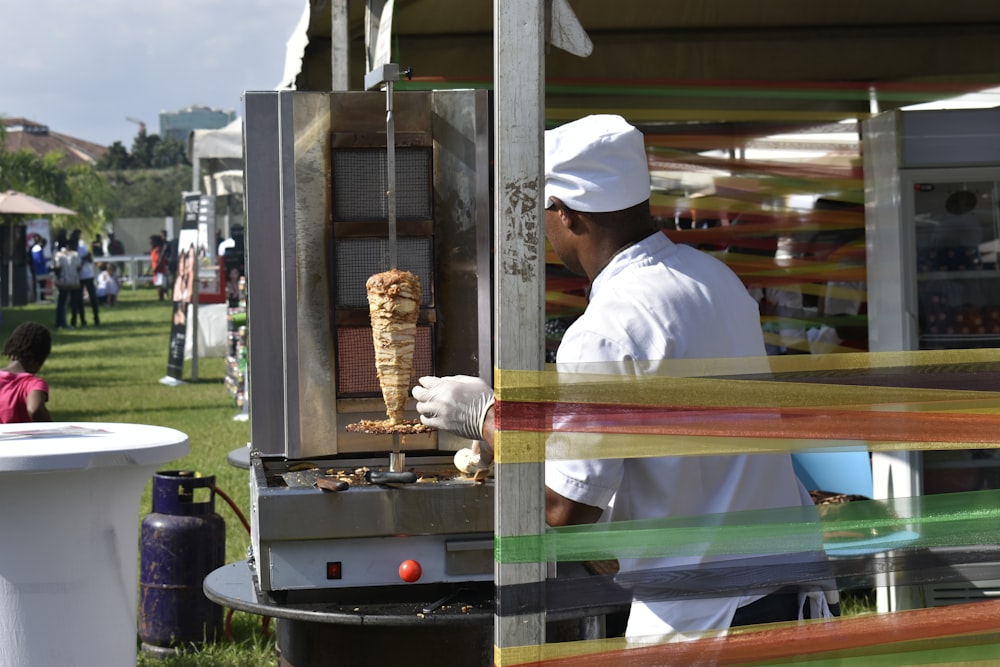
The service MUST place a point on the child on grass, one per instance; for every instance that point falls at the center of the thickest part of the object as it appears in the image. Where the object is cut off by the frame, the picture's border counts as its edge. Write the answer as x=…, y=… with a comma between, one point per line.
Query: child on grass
x=22, y=394
x=107, y=284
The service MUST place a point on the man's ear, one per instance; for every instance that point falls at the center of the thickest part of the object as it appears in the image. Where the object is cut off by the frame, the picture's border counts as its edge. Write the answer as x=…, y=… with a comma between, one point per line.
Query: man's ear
x=566, y=215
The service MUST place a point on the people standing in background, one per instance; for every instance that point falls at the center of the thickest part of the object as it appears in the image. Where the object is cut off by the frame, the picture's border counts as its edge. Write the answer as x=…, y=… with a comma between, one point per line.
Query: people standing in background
x=115, y=246
x=39, y=265
x=86, y=278
x=22, y=394
x=172, y=257
x=97, y=246
x=225, y=244
x=233, y=287
x=158, y=264
x=66, y=265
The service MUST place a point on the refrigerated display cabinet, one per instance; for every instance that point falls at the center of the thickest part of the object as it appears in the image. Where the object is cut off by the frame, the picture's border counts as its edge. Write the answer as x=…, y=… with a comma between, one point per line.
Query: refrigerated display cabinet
x=932, y=222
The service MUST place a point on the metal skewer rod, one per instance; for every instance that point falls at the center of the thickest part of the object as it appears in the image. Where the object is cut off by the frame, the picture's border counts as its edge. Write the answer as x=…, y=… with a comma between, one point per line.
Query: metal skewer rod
x=397, y=460
x=396, y=457
x=390, y=176
x=386, y=74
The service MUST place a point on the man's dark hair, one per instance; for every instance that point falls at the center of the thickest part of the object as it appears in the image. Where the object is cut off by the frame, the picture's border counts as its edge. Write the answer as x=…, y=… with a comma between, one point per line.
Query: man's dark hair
x=637, y=215
x=30, y=343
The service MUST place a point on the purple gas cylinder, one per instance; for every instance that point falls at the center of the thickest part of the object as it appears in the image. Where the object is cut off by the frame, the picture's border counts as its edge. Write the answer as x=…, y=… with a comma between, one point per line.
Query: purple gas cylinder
x=182, y=541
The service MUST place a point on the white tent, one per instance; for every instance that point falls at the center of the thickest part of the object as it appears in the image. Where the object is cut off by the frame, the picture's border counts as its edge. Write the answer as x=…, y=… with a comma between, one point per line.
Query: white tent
x=216, y=154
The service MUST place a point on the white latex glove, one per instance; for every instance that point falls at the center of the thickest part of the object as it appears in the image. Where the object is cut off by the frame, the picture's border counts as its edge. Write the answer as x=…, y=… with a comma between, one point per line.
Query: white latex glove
x=457, y=403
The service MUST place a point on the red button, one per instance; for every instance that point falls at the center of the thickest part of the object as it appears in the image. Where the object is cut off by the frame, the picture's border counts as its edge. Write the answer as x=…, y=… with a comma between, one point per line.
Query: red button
x=410, y=571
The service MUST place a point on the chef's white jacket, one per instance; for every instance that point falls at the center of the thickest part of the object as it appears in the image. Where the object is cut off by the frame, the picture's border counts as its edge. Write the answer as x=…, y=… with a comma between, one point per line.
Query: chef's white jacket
x=658, y=300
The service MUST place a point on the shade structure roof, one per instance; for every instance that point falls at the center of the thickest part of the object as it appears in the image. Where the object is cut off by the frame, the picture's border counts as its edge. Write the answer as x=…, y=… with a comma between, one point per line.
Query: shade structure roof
x=14, y=202
x=702, y=60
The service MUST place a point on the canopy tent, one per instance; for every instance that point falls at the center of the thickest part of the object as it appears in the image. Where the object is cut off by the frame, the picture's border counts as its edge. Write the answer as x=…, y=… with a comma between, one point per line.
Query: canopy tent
x=215, y=151
x=228, y=182
x=709, y=75
x=13, y=202
x=295, y=48
x=217, y=168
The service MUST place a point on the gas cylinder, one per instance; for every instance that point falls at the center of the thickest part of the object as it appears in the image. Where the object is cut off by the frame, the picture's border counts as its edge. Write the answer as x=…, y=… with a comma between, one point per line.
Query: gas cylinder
x=182, y=541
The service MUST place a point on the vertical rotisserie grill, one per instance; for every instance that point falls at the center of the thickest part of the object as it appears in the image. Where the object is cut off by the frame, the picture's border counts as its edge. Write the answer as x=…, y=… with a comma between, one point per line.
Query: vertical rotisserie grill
x=316, y=232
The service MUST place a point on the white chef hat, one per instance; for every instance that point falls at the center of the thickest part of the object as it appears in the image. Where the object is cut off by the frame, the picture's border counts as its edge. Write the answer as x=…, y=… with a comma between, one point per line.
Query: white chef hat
x=596, y=164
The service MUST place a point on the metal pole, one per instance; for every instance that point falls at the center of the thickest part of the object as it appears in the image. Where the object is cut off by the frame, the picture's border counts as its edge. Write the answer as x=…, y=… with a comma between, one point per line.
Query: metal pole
x=390, y=173
x=339, y=45
x=518, y=54
x=386, y=74
x=195, y=280
x=195, y=174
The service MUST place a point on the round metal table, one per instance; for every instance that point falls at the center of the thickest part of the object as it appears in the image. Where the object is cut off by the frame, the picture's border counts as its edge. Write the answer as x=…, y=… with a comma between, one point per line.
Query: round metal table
x=69, y=563
x=457, y=632
x=239, y=458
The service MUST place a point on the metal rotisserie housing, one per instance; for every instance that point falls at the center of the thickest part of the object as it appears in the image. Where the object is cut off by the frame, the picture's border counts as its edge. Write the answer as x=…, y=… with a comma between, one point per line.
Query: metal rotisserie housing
x=317, y=229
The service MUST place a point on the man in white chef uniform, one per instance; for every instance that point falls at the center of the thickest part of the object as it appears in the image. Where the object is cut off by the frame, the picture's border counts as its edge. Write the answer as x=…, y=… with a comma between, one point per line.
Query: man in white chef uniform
x=649, y=300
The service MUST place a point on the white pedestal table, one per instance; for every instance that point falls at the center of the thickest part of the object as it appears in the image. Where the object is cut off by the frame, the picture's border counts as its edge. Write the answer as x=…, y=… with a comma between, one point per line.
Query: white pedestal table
x=69, y=528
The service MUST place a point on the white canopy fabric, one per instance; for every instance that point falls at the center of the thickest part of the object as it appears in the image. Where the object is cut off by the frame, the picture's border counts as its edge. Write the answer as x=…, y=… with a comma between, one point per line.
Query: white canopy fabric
x=229, y=182
x=213, y=151
x=14, y=202
x=295, y=49
x=226, y=142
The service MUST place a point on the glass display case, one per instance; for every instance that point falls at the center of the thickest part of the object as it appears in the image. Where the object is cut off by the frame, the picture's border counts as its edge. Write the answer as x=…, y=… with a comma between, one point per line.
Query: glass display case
x=956, y=244
x=932, y=231
x=956, y=240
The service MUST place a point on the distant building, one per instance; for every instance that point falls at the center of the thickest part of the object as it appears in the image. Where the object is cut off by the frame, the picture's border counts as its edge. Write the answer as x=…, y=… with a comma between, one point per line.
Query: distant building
x=179, y=124
x=24, y=134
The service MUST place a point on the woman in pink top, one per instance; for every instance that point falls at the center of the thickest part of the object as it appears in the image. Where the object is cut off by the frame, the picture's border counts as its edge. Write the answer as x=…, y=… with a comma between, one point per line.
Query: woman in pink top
x=22, y=394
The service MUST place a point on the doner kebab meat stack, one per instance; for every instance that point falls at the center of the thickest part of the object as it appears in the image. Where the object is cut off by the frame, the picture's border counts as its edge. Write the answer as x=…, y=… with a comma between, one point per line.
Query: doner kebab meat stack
x=394, y=298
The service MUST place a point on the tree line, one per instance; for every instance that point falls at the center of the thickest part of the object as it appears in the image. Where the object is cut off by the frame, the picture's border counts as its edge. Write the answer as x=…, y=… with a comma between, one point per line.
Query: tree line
x=144, y=182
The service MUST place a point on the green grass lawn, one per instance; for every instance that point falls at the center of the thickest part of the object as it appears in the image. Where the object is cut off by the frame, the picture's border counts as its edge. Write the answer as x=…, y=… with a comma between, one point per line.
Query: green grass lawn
x=111, y=373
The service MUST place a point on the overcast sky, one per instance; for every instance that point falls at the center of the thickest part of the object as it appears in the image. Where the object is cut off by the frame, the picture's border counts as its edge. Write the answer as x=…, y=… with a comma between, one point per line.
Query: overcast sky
x=81, y=67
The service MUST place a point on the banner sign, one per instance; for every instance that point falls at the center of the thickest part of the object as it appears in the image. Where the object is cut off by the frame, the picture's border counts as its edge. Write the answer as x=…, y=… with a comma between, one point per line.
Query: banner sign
x=186, y=250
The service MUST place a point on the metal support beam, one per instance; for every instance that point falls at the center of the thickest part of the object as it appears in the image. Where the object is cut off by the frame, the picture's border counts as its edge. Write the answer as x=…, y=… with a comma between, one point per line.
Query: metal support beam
x=339, y=46
x=518, y=58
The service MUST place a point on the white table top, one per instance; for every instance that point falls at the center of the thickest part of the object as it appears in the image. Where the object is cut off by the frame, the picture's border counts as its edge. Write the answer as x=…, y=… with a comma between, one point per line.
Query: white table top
x=48, y=446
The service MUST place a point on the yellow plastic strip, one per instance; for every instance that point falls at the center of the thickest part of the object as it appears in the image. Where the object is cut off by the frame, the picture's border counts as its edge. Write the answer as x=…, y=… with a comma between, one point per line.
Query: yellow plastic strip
x=693, y=411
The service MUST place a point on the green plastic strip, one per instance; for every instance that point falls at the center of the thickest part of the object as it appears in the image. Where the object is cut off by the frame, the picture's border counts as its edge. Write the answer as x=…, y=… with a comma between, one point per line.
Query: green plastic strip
x=945, y=520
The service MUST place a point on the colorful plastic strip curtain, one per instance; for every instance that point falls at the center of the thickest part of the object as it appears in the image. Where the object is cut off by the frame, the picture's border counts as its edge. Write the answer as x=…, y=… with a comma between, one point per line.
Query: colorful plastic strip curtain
x=894, y=401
